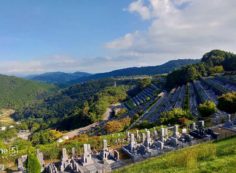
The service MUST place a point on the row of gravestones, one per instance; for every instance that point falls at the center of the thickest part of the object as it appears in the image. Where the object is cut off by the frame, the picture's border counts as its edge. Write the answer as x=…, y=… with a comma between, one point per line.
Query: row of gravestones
x=137, y=143
x=74, y=163
x=140, y=145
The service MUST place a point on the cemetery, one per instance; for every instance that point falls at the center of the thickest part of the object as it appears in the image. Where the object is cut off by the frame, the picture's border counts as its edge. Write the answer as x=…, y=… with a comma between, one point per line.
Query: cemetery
x=142, y=97
x=138, y=146
x=199, y=91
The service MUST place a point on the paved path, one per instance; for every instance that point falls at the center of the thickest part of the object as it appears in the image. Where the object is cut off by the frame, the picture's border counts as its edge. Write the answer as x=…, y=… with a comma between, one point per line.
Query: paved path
x=79, y=131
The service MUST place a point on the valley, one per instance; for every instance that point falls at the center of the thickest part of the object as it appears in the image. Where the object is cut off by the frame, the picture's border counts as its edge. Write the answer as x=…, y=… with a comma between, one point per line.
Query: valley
x=119, y=123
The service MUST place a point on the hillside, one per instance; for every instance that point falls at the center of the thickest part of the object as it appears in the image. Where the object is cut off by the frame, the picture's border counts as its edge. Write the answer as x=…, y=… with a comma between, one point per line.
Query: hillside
x=213, y=62
x=209, y=157
x=17, y=92
x=66, y=79
x=78, y=105
x=135, y=71
x=58, y=77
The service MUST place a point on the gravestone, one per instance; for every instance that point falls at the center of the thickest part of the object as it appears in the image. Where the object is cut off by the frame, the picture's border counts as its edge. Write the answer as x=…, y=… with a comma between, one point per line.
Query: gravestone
x=162, y=134
x=174, y=141
x=137, y=135
x=155, y=134
x=176, y=131
x=104, y=154
x=148, y=140
x=228, y=123
x=160, y=145
x=143, y=138
x=87, y=156
x=184, y=131
x=201, y=124
x=193, y=126
x=20, y=162
x=132, y=143
x=166, y=132
x=116, y=155
x=73, y=153
x=64, y=160
x=64, y=155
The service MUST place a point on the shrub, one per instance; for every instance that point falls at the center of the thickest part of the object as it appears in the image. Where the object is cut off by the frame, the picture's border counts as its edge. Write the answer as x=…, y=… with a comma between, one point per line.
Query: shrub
x=33, y=165
x=227, y=102
x=207, y=108
x=117, y=125
x=175, y=116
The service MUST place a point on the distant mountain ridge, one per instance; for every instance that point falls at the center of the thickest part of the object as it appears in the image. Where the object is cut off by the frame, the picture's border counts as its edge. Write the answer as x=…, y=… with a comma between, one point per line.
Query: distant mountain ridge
x=58, y=77
x=135, y=71
x=62, y=78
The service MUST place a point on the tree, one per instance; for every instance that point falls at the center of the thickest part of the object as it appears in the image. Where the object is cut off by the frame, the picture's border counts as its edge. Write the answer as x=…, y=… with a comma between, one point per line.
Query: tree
x=214, y=57
x=191, y=74
x=143, y=83
x=33, y=165
x=117, y=125
x=207, y=108
x=113, y=126
x=175, y=116
x=216, y=69
x=227, y=102
x=45, y=136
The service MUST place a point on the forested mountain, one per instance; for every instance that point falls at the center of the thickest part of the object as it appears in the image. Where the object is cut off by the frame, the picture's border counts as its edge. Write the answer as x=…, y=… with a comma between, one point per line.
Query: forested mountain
x=67, y=79
x=134, y=71
x=215, y=61
x=79, y=104
x=16, y=92
x=58, y=77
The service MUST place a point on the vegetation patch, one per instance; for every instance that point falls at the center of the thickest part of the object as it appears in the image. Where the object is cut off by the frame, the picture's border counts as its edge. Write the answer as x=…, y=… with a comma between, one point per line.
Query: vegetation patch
x=208, y=157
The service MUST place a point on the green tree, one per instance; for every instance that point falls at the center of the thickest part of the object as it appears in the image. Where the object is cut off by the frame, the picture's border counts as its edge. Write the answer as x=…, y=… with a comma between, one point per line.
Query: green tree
x=216, y=69
x=45, y=137
x=227, y=102
x=207, y=108
x=143, y=83
x=175, y=116
x=33, y=165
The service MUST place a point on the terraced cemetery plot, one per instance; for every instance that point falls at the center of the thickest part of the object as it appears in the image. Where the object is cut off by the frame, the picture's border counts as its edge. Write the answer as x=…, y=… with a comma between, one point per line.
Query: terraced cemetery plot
x=193, y=100
x=198, y=92
x=148, y=94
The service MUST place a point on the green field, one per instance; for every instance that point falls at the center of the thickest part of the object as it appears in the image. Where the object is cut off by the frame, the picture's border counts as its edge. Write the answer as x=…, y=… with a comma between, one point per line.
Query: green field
x=204, y=158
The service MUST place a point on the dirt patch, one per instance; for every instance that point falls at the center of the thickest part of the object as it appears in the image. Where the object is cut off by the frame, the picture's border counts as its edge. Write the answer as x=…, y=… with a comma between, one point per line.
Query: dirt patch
x=5, y=116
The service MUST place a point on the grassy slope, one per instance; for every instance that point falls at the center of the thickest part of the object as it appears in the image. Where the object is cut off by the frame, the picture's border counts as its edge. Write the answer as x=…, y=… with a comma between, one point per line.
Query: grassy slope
x=212, y=157
x=16, y=92
x=5, y=116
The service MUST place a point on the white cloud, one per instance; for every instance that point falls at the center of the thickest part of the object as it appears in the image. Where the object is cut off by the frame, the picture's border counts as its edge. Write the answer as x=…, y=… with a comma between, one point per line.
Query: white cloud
x=179, y=28
x=35, y=66
x=139, y=7
x=67, y=64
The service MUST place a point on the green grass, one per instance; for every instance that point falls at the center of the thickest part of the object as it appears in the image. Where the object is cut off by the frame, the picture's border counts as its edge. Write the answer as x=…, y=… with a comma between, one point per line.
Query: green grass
x=204, y=158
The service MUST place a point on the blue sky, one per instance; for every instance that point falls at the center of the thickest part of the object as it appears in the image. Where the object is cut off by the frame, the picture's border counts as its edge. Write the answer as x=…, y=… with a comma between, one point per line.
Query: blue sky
x=103, y=35
x=31, y=29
